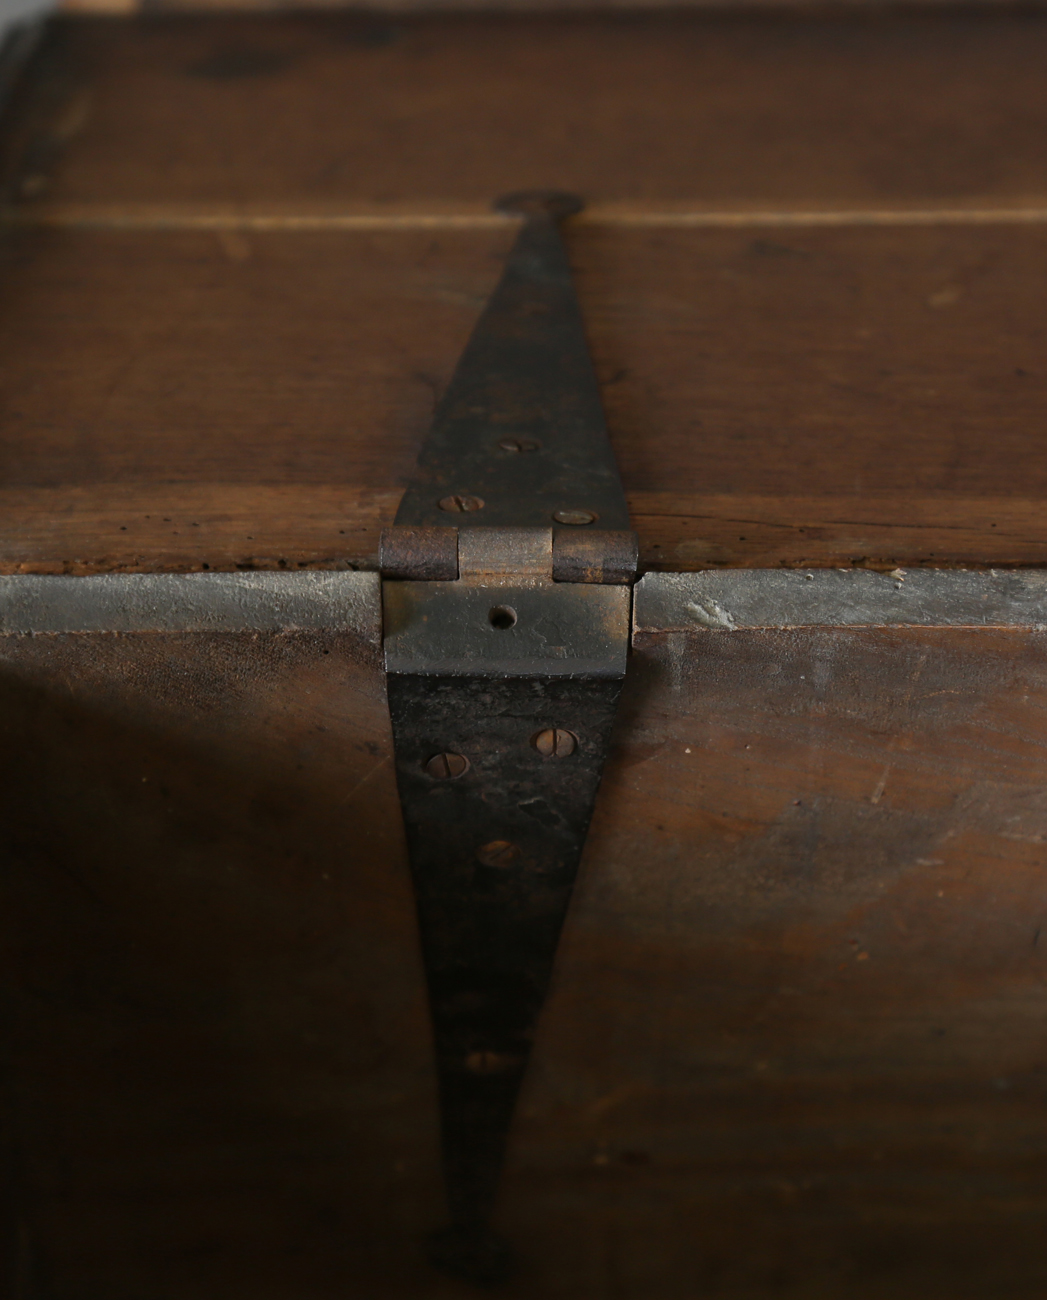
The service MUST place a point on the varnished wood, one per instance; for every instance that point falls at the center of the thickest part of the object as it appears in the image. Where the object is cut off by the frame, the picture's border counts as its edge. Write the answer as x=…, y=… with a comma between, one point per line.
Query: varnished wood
x=795, y=1036
x=817, y=344
x=180, y=527
x=700, y=110
x=176, y=399
x=796, y=1039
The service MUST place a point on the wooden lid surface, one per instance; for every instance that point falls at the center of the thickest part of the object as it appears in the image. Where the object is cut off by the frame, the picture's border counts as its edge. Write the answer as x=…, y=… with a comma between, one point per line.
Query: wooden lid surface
x=246, y=251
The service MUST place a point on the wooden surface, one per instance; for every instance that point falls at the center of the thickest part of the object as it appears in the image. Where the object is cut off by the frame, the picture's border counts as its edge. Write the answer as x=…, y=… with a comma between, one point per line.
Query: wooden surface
x=795, y=1043
x=245, y=252
x=867, y=395
x=705, y=112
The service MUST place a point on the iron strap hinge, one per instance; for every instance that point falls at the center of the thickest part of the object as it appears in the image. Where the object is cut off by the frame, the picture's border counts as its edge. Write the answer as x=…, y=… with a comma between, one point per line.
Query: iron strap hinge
x=507, y=606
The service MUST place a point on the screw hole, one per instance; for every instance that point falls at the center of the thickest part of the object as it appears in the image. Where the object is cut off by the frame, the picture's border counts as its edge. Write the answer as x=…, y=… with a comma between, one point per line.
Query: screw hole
x=502, y=617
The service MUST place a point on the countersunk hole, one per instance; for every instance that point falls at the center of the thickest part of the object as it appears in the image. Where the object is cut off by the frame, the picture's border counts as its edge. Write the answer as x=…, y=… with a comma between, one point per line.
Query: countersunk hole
x=502, y=618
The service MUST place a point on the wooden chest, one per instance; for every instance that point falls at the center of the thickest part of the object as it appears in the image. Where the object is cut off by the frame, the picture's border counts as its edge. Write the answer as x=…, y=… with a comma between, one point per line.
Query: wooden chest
x=796, y=1043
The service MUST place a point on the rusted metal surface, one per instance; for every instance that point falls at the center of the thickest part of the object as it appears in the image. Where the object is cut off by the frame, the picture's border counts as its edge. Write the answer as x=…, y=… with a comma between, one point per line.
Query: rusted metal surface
x=591, y=555
x=505, y=616
x=553, y=631
x=494, y=854
x=425, y=554
x=502, y=689
x=520, y=433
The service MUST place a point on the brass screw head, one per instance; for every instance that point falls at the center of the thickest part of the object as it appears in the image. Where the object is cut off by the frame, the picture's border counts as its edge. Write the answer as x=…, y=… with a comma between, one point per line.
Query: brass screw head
x=461, y=503
x=447, y=766
x=498, y=853
x=554, y=742
x=574, y=517
x=488, y=1062
x=520, y=444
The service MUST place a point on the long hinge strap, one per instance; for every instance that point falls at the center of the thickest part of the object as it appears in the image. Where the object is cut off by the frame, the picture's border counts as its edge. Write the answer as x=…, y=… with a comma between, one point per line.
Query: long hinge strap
x=506, y=606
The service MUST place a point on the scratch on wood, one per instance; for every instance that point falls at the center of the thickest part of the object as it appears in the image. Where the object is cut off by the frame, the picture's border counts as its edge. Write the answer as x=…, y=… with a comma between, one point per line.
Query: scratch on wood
x=881, y=785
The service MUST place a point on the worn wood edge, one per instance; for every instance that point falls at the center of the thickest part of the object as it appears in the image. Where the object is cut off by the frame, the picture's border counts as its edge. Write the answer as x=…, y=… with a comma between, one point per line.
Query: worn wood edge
x=182, y=527
x=307, y=217
x=188, y=527
x=197, y=602
x=781, y=598
x=685, y=532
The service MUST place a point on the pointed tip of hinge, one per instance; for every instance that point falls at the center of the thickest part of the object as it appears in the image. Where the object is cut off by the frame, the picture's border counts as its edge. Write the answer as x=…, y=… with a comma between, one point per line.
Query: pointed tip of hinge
x=473, y=1253
x=557, y=204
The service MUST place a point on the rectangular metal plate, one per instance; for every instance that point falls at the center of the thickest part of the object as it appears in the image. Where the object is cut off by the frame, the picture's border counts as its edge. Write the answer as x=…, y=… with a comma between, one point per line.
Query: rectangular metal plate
x=560, y=630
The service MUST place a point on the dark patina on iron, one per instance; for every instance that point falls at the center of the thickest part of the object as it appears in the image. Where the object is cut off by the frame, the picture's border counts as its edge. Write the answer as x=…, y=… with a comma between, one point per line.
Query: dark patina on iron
x=521, y=427
x=505, y=648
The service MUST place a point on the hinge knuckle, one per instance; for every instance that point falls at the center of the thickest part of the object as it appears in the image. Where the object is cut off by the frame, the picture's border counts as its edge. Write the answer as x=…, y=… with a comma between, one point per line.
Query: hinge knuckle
x=602, y=556
x=424, y=554
x=433, y=554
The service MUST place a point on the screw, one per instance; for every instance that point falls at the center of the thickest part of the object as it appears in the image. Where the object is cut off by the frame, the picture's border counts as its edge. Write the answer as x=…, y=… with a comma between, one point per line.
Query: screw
x=460, y=503
x=520, y=444
x=498, y=853
x=488, y=1062
x=575, y=517
x=554, y=742
x=447, y=766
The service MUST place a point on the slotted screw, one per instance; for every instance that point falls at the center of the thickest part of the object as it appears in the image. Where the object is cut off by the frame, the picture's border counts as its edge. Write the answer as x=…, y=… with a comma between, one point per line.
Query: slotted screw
x=447, y=766
x=498, y=853
x=461, y=503
x=520, y=444
x=488, y=1062
x=554, y=742
x=574, y=517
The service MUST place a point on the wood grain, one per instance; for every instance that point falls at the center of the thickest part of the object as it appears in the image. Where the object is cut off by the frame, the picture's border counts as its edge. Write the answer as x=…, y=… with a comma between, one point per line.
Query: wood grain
x=175, y=399
x=217, y=1042
x=180, y=527
x=703, y=110
x=794, y=1041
